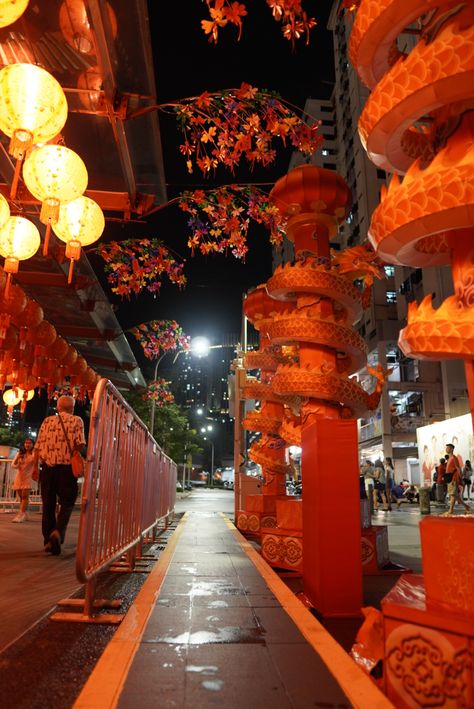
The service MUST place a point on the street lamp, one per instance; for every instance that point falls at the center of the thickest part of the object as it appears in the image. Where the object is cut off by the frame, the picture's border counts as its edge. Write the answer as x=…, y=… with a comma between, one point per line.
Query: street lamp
x=206, y=429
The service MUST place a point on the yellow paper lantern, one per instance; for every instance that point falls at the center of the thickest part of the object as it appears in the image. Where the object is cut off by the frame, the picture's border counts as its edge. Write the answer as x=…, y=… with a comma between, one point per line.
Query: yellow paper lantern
x=4, y=210
x=55, y=175
x=11, y=10
x=19, y=240
x=11, y=399
x=33, y=107
x=80, y=223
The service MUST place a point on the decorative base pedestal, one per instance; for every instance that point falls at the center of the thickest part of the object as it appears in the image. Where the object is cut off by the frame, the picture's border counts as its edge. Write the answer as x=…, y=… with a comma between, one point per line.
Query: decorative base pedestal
x=429, y=653
x=283, y=549
x=375, y=553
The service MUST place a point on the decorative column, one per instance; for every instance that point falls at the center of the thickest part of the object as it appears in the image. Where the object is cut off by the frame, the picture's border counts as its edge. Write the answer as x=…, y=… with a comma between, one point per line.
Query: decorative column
x=260, y=510
x=326, y=304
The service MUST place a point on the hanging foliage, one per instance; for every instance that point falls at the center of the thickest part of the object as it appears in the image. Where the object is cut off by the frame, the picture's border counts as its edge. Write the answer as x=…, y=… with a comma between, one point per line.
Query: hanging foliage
x=295, y=21
x=219, y=128
x=160, y=336
x=219, y=218
x=158, y=391
x=134, y=264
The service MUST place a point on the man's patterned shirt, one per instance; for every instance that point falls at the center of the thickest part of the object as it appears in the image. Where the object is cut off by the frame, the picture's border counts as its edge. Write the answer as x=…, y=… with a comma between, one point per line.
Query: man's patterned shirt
x=51, y=443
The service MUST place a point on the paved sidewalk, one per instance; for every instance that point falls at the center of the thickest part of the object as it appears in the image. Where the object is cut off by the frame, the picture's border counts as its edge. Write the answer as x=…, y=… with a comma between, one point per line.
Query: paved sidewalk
x=217, y=635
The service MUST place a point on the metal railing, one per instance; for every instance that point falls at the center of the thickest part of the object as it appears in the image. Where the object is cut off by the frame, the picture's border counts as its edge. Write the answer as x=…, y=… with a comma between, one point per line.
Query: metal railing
x=129, y=487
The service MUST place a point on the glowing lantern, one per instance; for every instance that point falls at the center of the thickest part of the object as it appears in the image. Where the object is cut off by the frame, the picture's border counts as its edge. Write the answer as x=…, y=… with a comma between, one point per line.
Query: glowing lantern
x=33, y=109
x=80, y=223
x=19, y=240
x=11, y=10
x=11, y=399
x=26, y=395
x=55, y=175
x=75, y=26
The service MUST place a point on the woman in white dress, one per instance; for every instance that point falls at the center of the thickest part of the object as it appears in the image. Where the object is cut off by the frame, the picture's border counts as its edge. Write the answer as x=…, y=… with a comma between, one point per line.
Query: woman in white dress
x=24, y=462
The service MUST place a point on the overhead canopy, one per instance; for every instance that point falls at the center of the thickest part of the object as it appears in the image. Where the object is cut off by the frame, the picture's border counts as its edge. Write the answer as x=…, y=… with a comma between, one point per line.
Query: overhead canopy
x=100, y=52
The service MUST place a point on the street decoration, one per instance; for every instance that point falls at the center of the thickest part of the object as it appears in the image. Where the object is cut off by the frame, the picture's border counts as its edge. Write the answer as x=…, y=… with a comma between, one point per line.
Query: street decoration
x=158, y=337
x=418, y=124
x=158, y=392
x=223, y=127
x=134, y=264
x=425, y=217
x=294, y=19
x=220, y=218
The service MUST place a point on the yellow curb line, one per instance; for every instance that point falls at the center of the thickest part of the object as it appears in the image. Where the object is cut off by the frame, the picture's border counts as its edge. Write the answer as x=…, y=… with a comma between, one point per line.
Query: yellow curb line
x=356, y=685
x=104, y=686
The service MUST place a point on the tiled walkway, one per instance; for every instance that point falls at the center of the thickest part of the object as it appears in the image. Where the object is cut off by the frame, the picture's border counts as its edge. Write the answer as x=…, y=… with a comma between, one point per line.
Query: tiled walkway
x=217, y=634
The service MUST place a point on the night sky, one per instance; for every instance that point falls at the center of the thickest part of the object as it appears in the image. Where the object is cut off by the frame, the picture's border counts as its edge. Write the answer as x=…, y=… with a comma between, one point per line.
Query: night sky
x=186, y=64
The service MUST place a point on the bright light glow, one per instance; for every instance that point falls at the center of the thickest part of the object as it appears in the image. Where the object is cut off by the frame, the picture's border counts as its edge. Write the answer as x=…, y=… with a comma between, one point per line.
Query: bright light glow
x=200, y=346
x=209, y=428
x=199, y=412
x=295, y=450
x=203, y=429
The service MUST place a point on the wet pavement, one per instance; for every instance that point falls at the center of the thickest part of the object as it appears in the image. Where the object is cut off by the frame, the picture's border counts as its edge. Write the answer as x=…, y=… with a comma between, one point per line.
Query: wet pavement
x=215, y=619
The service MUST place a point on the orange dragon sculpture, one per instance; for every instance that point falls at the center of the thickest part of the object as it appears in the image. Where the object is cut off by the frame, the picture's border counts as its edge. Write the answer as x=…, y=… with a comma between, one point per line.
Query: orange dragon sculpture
x=419, y=122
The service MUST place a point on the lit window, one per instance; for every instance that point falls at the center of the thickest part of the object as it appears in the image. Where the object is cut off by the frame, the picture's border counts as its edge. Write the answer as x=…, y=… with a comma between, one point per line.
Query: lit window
x=389, y=271
x=391, y=296
x=324, y=152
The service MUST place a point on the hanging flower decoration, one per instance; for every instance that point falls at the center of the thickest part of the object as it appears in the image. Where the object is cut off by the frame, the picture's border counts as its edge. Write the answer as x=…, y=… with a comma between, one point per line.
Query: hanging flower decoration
x=295, y=21
x=158, y=391
x=134, y=264
x=160, y=336
x=219, y=128
x=219, y=218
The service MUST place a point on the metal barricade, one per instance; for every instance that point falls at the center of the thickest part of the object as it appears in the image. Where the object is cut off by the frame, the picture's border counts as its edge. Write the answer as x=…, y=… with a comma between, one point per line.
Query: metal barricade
x=8, y=498
x=129, y=487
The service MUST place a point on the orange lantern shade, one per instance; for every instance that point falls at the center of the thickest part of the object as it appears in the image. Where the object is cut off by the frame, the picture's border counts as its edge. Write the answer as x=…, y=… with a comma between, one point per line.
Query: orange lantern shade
x=33, y=107
x=19, y=240
x=75, y=27
x=80, y=223
x=71, y=357
x=28, y=319
x=11, y=10
x=42, y=336
x=12, y=303
x=55, y=175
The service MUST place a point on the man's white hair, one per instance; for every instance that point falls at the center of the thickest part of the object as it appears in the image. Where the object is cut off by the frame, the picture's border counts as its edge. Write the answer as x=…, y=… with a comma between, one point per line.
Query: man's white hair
x=66, y=403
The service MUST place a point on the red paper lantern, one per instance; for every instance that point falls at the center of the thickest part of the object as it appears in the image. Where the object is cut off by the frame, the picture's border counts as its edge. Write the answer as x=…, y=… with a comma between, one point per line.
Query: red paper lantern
x=42, y=336
x=71, y=358
x=58, y=349
x=11, y=305
x=28, y=319
x=80, y=367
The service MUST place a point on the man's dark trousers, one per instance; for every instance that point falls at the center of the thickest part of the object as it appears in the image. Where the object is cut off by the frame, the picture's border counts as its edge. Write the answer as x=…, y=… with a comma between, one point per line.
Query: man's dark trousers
x=57, y=482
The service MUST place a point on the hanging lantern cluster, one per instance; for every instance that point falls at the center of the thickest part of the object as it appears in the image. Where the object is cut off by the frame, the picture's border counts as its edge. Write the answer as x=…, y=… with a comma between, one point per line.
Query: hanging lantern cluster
x=33, y=111
x=32, y=354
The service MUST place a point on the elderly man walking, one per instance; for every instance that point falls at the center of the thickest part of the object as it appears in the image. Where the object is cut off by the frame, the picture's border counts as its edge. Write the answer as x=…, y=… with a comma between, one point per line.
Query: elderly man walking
x=58, y=437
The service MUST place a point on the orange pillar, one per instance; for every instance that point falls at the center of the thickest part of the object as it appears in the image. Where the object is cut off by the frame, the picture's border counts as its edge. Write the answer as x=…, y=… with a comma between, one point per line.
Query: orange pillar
x=332, y=568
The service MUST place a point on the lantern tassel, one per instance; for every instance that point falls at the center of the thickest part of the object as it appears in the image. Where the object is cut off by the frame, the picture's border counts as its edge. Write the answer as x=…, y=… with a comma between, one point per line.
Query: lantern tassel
x=16, y=177
x=71, y=269
x=7, y=286
x=46, y=239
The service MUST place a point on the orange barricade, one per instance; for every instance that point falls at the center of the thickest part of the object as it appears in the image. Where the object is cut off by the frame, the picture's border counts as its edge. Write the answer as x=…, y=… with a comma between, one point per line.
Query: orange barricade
x=129, y=487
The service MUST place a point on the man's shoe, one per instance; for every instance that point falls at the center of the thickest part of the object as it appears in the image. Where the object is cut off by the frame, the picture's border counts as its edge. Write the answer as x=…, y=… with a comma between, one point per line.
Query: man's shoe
x=47, y=547
x=55, y=541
